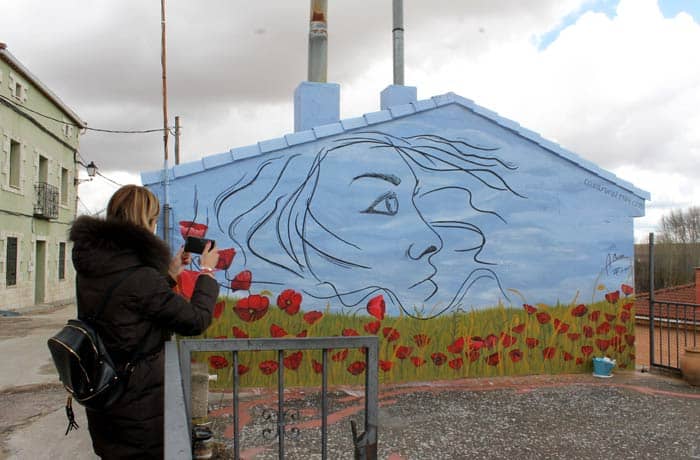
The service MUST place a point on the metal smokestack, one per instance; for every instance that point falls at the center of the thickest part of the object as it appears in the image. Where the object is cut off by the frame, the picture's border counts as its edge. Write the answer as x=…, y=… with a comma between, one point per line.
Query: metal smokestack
x=318, y=42
x=397, y=32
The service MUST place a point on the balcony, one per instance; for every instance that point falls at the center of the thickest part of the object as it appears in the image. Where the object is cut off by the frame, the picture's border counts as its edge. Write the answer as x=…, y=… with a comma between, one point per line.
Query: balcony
x=46, y=201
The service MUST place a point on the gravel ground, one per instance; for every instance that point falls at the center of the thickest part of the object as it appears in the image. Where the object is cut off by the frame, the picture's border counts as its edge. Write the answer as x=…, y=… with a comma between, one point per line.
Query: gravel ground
x=638, y=416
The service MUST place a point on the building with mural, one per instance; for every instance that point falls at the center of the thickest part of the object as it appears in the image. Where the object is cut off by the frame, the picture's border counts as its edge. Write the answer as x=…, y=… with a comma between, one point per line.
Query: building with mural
x=39, y=138
x=428, y=215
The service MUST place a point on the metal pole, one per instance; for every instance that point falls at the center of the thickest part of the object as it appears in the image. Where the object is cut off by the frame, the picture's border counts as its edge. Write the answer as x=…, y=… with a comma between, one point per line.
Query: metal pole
x=397, y=33
x=177, y=140
x=651, y=299
x=166, y=205
x=318, y=42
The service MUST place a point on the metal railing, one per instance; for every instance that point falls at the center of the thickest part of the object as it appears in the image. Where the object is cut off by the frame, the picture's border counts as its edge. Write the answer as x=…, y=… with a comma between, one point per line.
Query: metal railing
x=672, y=327
x=45, y=200
x=178, y=406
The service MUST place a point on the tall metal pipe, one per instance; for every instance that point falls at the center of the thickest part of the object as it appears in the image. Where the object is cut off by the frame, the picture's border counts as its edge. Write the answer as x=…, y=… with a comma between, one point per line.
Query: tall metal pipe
x=397, y=32
x=318, y=42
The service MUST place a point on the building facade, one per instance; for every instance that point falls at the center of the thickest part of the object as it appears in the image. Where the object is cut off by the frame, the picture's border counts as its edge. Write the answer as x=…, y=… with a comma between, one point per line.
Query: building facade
x=39, y=138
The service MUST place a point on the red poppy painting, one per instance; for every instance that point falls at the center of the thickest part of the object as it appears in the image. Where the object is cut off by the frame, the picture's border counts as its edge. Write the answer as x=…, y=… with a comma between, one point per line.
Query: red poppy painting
x=620, y=329
x=603, y=328
x=573, y=336
x=438, y=358
x=493, y=359
x=474, y=356
x=239, y=333
x=515, y=355
x=225, y=258
x=519, y=328
x=252, y=308
x=317, y=367
x=302, y=334
x=627, y=289
x=532, y=342
x=629, y=339
x=490, y=341
x=568, y=356
x=372, y=327
x=549, y=352
x=268, y=367
x=391, y=334
x=417, y=361
x=186, y=281
x=289, y=301
x=385, y=366
x=628, y=306
x=219, y=309
x=602, y=344
x=421, y=340
x=586, y=350
x=543, y=317
x=456, y=363
x=579, y=361
x=594, y=316
x=348, y=332
x=218, y=362
x=242, y=369
x=241, y=282
x=588, y=331
x=312, y=316
x=357, y=368
x=293, y=360
x=579, y=310
x=610, y=316
x=340, y=356
x=402, y=351
x=625, y=316
x=612, y=297
x=508, y=340
x=277, y=331
x=188, y=228
x=457, y=346
x=377, y=307
x=476, y=343
x=529, y=309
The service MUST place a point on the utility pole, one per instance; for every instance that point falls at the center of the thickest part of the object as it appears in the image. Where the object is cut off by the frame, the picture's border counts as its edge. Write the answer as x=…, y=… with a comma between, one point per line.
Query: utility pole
x=166, y=204
x=177, y=140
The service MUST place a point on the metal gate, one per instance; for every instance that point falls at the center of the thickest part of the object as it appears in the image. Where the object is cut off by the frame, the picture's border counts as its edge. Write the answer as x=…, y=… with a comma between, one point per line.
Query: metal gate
x=672, y=326
x=178, y=389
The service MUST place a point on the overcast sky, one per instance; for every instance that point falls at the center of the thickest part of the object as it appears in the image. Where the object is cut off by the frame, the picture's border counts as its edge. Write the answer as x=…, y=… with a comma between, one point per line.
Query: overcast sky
x=615, y=81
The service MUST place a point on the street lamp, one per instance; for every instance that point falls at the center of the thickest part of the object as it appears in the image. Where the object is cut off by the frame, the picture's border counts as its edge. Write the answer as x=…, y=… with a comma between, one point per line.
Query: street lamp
x=91, y=170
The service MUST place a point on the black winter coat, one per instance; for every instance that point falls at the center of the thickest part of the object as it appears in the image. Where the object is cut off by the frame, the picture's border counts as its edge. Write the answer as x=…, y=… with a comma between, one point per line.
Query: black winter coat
x=142, y=305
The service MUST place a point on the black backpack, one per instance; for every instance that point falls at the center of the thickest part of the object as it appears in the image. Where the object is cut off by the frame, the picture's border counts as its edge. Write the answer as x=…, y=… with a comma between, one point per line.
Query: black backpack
x=84, y=365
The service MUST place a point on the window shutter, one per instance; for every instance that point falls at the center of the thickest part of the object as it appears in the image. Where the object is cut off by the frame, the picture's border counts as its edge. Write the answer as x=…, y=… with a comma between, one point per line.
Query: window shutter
x=25, y=93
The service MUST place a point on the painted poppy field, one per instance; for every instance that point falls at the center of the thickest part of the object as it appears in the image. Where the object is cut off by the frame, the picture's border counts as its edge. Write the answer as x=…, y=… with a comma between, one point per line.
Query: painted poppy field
x=529, y=339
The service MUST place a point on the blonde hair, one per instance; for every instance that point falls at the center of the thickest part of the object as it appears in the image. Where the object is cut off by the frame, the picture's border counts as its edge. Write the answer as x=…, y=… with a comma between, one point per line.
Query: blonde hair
x=134, y=204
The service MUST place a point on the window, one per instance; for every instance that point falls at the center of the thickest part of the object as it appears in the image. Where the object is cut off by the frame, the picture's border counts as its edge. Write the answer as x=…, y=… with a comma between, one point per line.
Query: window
x=43, y=169
x=18, y=90
x=14, y=163
x=61, y=261
x=64, y=186
x=11, y=262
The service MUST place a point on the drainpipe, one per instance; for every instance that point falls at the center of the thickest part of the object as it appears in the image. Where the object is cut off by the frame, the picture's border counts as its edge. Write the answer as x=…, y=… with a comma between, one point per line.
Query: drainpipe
x=397, y=32
x=318, y=42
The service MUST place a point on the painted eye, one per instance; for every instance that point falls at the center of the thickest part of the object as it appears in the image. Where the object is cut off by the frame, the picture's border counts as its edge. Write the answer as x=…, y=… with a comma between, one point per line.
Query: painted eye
x=386, y=204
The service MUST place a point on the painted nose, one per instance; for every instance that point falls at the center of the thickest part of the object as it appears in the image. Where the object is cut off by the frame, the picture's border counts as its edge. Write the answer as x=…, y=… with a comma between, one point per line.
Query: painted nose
x=428, y=250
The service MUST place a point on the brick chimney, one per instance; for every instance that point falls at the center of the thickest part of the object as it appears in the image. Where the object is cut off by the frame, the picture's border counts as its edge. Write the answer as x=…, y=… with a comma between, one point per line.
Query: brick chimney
x=697, y=285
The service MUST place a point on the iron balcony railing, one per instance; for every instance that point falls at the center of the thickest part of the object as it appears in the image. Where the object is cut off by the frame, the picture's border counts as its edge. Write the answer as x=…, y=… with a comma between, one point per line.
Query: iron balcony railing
x=178, y=370
x=45, y=200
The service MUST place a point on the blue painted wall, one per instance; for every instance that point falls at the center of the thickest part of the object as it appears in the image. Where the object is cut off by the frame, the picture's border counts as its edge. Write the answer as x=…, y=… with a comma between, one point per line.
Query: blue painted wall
x=437, y=210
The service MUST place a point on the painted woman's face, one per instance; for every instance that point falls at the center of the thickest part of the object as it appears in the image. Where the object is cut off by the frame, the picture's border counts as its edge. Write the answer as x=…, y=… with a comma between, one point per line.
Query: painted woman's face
x=364, y=230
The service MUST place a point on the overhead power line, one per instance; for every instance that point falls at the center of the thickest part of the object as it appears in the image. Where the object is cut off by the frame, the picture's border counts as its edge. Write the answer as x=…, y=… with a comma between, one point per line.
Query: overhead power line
x=99, y=130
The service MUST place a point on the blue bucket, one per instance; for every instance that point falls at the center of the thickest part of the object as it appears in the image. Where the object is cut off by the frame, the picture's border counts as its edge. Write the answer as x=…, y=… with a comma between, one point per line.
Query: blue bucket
x=602, y=368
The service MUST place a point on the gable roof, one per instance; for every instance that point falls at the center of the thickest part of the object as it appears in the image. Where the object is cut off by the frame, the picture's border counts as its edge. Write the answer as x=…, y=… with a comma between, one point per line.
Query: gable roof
x=13, y=62
x=374, y=118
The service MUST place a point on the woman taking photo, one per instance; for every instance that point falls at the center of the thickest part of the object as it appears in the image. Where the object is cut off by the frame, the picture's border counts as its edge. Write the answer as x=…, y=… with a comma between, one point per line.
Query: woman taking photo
x=140, y=315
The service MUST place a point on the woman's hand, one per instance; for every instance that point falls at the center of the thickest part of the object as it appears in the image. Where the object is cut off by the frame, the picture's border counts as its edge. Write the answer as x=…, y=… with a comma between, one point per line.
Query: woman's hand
x=178, y=263
x=209, y=257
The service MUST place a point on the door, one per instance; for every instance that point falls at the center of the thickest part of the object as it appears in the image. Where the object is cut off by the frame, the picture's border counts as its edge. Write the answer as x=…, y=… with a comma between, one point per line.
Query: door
x=40, y=272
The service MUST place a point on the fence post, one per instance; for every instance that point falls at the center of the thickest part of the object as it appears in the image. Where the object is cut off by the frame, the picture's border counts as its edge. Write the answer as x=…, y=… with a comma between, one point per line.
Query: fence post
x=651, y=299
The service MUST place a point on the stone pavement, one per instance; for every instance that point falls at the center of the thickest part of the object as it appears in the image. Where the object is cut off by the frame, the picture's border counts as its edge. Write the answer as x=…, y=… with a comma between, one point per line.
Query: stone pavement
x=631, y=415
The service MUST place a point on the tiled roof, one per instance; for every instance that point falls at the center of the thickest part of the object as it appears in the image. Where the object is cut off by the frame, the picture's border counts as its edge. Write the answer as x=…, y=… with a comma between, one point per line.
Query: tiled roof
x=684, y=294
x=373, y=118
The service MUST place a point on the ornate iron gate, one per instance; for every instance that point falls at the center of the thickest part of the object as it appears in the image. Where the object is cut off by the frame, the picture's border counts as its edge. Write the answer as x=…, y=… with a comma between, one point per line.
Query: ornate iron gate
x=178, y=390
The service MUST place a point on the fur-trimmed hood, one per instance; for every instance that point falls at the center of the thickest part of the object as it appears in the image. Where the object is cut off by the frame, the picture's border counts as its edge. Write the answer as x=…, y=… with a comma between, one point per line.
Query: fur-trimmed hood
x=102, y=246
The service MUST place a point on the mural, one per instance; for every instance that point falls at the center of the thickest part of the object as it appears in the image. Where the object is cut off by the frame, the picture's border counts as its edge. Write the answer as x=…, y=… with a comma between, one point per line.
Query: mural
x=357, y=219
x=466, y=247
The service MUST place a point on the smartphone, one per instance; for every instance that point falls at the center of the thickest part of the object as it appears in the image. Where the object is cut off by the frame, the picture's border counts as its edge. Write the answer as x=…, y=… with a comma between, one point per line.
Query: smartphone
x=196, y=245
